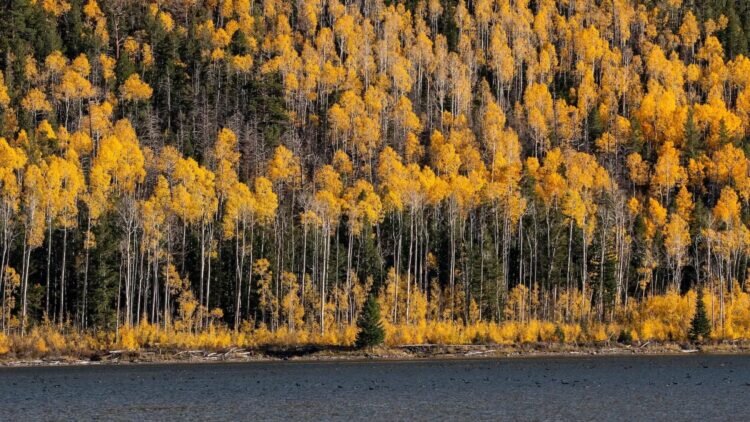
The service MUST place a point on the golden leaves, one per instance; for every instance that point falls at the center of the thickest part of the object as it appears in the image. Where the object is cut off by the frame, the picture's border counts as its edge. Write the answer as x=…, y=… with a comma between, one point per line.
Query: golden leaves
x=226, y=157
x=193, y=193
x=727, y=209
x=676, y=237
x=362, y=205
x=134, y=89
x=55, y=7
x=11, y=161
x=284, y=166
x=539, y=110
x=35, y=101
x=267, y=200
x=637, y=168
x=668, y=172
x=4, y=97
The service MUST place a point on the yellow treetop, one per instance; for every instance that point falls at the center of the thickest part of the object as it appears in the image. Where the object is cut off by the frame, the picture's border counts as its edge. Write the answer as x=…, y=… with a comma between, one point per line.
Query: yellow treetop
x=11, y=161
x=267, y=201
x=35, y=101
x=226, y=157
x=134, y=89
x=728, y=209
x=239, y=208
x=55, y=7
x=284, y=166
x=676, y=237
x=193, y=193
x=362, y=205
x=668, y=172
x=4, y=97
x=34, y=193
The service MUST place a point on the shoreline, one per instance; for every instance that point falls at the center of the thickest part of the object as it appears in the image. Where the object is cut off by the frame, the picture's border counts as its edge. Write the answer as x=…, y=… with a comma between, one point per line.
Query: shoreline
x=405, y=353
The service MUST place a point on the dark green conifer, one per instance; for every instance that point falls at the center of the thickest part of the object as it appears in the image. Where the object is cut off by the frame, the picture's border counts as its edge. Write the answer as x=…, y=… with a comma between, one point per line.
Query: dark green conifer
x=371, y=331
x=700, y=328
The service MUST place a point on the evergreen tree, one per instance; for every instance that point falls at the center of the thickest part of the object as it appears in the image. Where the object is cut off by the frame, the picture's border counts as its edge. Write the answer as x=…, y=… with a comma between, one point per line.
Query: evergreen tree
x=371, y=331
x=700, y=328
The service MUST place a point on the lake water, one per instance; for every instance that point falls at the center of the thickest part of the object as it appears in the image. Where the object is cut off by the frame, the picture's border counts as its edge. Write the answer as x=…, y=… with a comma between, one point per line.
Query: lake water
x=691, y=387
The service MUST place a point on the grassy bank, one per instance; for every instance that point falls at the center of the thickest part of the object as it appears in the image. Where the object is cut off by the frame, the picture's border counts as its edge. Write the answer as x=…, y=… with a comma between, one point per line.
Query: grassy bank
x=49, y=344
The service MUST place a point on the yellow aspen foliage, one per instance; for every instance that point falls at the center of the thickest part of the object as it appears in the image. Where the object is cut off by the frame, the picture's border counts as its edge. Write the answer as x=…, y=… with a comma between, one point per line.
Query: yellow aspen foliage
x=684, y=204
x=118, y=168
x=55, y=63
x=284, y=166
x=99, y=118
x=362, y=205
x=668, y=172
x=239, y=208
x=242, y=63
x=574, y=208
x=657, y=218
x=226, y=159
x=661, y=115
x=729, y=165
x=133, y=89
x=30, y=69
x=91, y=10
x=266, y=299
x=100, y=31
x=64, y=185
x=81, y=65
x=45, y=131
x=35, y=101
x=81, y=143
x=727, y=209
x=34, y=193
x=501, y=55
x=193, y=193
x=587, y=89
x=676, y=238
x=291, y=304
x=715, y=118
x=55, y=7
x=392, y=174
x=147, y=56
x=130, y=46
x=606, y=143
x=4, y=96
x=154, y=213
x=166, y=21
x=267, y=201
x=11, y=161
x=328, y=179
x=689, y=30
x=11, y=283
x=446, y=158
x=657, y=212
x=539, y=111
x=634, y=206
x=73, y=86
x=532, y=144
x=342, y=163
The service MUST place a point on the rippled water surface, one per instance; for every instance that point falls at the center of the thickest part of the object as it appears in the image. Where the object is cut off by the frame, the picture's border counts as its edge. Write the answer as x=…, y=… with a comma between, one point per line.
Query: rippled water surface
x=689, y=387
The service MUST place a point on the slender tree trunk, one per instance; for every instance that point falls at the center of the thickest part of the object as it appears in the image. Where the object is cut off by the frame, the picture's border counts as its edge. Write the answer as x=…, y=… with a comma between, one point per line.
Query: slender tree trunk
x=62, y=276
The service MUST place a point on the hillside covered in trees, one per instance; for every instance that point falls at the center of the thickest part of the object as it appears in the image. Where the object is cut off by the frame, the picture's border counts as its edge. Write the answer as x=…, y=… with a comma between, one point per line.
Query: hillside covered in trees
x=248, y=171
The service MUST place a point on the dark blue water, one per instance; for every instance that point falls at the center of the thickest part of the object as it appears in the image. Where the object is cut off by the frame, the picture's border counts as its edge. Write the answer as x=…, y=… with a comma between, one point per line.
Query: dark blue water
x=692, y=387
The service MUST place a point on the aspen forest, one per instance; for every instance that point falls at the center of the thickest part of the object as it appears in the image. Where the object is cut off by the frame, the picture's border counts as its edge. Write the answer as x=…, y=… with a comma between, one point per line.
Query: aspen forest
x=218, y=173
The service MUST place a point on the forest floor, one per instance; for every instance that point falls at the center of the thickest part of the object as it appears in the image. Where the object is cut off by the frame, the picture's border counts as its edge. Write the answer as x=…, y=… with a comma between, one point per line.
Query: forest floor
x=405, y=352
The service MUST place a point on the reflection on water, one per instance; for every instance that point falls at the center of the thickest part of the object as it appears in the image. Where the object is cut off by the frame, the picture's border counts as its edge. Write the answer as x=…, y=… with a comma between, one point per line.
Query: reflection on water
x=601, y=388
